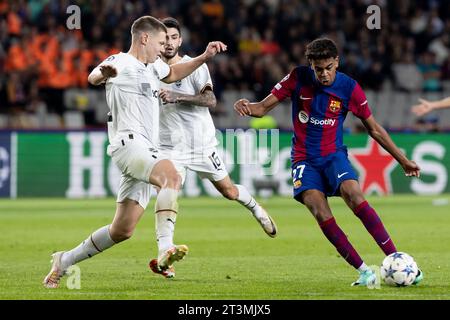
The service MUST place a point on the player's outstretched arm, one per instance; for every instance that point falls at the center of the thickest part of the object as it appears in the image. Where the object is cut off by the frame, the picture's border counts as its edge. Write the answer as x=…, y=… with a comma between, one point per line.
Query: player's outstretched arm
x=179, y=71
x=377, y=132
x=101, y=73
x=203, y=99
x=426, y=106
x=255, y=109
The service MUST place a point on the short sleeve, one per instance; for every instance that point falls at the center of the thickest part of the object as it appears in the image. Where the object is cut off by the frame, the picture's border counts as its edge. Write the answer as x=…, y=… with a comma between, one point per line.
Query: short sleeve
x=161, y=68
x=115, y=61
x=111, y=60
x=202, y=78
x=358, y=104
x=286, y=86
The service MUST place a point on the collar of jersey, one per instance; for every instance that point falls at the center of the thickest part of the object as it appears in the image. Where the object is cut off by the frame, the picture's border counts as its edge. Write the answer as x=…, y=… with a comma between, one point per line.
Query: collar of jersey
x=136, y=59
x=334, y=89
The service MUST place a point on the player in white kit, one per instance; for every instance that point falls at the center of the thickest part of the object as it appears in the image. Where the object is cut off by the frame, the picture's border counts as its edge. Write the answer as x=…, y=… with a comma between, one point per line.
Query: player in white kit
x=132, y=88
x=187, y=133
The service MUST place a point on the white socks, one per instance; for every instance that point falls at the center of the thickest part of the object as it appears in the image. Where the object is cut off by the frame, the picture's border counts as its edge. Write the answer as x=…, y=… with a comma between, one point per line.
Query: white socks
x=97, y=242
x=166, y=208
x=165, y=228
x=246, y=199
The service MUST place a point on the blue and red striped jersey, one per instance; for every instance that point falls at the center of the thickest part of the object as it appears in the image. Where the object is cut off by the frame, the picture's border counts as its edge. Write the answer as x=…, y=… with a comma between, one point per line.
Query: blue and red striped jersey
x=318, y=111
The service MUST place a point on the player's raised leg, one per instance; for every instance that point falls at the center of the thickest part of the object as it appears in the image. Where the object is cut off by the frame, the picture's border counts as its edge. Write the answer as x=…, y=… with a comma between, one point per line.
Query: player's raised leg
x=240, y=194
x=127, y=216
x=166, y=178
x=353, y=196
x=316, y=202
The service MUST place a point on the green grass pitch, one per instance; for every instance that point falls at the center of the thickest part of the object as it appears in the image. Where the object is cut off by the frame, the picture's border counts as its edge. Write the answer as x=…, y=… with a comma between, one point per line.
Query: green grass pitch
x=230, y=256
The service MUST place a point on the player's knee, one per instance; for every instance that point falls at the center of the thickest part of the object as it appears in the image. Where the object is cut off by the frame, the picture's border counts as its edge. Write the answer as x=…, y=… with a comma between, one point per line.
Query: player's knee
x=173, y=180
x=310, y=200
x=167, y=200
x=318, y=208
x=121, y=234
x=323, y=216
x=320, y=213
x=352, y=194
x=231, y=192
x=356, y=201
x=352, y=198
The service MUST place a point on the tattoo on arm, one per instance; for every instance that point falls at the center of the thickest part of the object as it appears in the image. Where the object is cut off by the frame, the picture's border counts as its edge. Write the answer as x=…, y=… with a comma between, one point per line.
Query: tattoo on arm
x=204, y=99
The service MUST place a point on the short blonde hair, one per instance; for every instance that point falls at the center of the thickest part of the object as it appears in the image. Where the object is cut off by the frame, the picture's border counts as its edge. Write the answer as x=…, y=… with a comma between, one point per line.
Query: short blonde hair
x=147, y=23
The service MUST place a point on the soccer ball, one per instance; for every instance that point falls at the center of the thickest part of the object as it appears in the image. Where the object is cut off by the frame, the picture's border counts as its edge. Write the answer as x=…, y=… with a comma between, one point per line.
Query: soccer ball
x=399, y=269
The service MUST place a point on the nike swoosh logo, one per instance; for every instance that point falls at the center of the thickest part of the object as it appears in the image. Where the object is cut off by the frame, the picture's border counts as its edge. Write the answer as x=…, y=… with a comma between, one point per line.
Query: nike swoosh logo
x=342, y=174
x=383, y=243
x=168, y=219
x=305, y=98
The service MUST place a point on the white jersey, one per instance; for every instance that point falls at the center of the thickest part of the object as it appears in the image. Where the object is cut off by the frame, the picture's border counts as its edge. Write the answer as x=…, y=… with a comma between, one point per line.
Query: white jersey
x=132, y=97
x=187, y=128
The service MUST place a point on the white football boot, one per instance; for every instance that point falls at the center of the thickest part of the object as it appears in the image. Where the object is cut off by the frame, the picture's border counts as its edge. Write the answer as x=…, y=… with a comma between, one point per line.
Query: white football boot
x=164, y=264
x=51, y=281
x=267, y=223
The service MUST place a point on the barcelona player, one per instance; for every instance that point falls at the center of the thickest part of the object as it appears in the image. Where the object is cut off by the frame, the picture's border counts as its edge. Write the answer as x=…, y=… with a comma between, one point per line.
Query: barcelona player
x=321, y=98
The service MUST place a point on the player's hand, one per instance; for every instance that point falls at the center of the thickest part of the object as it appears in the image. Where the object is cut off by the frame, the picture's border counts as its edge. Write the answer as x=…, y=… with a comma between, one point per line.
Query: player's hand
x=168, y=96
x=411, y=169
x=242, y=108
x=108, y=71
x=423, y=108
x=213, y=48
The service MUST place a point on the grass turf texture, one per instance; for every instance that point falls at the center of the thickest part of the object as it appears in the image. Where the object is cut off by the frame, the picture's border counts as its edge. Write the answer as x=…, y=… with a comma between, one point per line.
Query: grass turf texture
x=230, y=256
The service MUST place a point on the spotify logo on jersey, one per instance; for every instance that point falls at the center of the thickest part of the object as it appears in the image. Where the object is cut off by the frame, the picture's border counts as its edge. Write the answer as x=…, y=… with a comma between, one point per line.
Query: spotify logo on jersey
x=303, y=116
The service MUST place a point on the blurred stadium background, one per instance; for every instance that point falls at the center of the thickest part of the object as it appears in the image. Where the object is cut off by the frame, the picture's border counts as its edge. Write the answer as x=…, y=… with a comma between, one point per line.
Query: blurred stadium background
x=53, y=140
x=52, y=122
x=44, y=65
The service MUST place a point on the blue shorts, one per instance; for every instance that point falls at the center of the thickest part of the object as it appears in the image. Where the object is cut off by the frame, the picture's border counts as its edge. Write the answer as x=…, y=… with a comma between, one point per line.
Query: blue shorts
x=324, y=174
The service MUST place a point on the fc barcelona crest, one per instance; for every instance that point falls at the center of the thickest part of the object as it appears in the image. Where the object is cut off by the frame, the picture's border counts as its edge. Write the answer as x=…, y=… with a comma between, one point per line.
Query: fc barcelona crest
x=335, y=105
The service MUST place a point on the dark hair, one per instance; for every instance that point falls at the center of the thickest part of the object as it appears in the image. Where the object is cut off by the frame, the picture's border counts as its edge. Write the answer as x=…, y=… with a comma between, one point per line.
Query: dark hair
x=322, y=48
x=171, y=23
x=147, y=23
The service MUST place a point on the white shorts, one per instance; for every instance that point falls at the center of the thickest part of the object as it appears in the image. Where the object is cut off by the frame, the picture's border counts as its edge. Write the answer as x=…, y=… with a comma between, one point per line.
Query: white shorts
x=131, y=188
x=208, y=165
x=135, y=158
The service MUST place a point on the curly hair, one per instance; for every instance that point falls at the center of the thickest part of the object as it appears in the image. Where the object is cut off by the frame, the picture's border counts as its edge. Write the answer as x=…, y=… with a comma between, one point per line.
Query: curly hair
x=322, y=48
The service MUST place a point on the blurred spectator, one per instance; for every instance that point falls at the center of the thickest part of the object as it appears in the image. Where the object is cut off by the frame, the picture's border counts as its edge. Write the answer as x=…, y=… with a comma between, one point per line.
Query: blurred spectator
x=3, y=95
x=441, y=48
x=418, y=21
x=213, y=9
x=431, y=72
x=16, y=92
x=407, y=74
x=373, y=78
x=16, y=99
x=445, y=69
